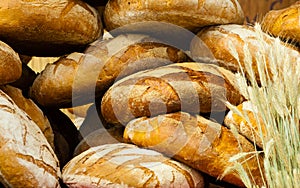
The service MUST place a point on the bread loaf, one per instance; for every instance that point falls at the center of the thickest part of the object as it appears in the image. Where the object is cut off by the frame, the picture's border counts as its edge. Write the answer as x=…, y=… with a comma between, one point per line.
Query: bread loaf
x=66, y=81
x=32, y=110
x=48, y=27
x=188, y=14
x=26, y=158
x=125, y=165
x=284, y=23
x=195, y=141
x=10, y=64
x=250, y=124
x=192, y=87
x=220, y=40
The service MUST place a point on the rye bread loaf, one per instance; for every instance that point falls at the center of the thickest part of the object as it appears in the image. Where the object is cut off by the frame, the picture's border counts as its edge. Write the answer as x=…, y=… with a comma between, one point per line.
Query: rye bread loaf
x=32, y=110
x=65, y=82
x=218, y=41
x=284, y=23
x=192, y=87
x=10, y=64
x=248, y=122
x=26, y=158
x=126, y=165
x=188, y=14
x=195, y=141
x=48, y=27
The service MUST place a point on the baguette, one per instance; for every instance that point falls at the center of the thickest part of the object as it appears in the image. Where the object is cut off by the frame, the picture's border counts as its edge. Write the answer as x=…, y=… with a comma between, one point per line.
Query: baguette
x=65, y=83
x=188, y=14
x=283, y=23
x=192, y=87
x=126, y=165
x=195, y=141
x=219, y=40
x=10, y=64
x=26, y=158
x=32, y=110
x=48, y=27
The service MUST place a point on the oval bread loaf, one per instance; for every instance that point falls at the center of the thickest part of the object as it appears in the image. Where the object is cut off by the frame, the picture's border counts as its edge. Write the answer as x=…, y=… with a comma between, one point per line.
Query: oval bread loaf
x=284, y=23
x=188, y=14
x=65, y=82
x=32, y=110
x=192, y=87
x=48, y=27
x=126, y=165
x=10, y=64
x=249, y=124
x=195, y=141
x=220, y=40
x=26, y=158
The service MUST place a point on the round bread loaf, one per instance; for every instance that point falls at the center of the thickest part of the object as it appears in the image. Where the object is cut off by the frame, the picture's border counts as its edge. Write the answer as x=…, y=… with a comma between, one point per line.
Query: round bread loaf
x=125, y=165
x=48, y=27
x=284, y=23
x=32, y=110
x=191, y=87
x=10, y=64
x=26, y=158
x=188, y=14
x=249, y=124
x=227, y=44
x=65, y=82
x=195, y=141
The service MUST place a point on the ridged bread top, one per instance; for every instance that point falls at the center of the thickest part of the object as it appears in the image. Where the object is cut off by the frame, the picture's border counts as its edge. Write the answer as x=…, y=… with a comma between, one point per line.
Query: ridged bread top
x=189, y=14
x=233, y=45
x=126, y=165
x=284, y=23
x=29, y=26
x=27, y=159
x=196, y=141
x=65, y=81
x=191, y=87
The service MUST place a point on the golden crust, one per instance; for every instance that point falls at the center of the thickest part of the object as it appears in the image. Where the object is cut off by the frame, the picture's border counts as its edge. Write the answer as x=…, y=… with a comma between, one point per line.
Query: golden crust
x=34, y=27
x=195, y=141
x=126, y=165
x=104, y=62
x=188, y=14
x=10, y=64
x=191, y=87
x=284, y=23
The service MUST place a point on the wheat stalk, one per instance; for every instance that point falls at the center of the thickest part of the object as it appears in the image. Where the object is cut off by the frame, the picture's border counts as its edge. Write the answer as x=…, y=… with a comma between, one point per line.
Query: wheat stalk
x=277, y=98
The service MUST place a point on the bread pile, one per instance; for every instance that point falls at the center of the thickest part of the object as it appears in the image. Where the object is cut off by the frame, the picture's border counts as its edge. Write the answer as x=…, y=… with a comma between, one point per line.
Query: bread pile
x=153, y=90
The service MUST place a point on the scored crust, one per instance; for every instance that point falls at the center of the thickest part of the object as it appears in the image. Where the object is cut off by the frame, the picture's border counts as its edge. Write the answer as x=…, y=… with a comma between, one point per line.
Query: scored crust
x=198, y=142
x=27, y=159
x=126, y=165
x=65, y=81
x=188, y=14
x=38, y=27
x=191, y=87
